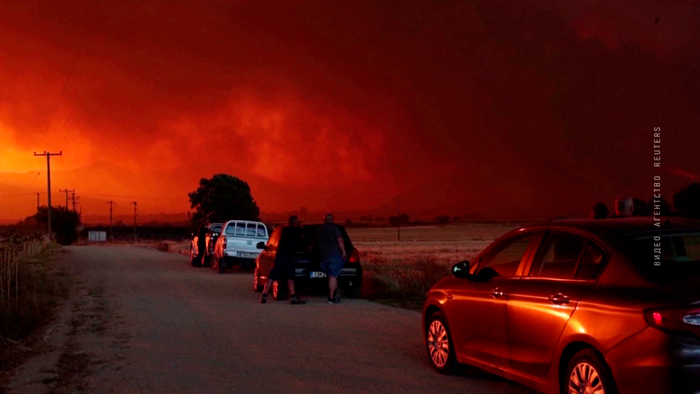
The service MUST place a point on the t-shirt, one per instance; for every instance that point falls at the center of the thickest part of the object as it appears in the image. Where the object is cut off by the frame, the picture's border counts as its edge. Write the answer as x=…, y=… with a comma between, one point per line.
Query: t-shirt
x=327, y=237
x=291, y=240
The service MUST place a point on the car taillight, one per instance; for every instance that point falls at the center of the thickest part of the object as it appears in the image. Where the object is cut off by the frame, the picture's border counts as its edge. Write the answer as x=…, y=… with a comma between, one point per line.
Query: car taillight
x=681, y=321
x=354, y=256
x=223, y=243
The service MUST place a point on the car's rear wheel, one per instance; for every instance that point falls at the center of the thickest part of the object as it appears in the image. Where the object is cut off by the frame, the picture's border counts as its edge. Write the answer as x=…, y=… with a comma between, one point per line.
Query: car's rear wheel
x=279, y=291
x=588, y=373
x=354, y=291
x=439, y=343
x=256, y=281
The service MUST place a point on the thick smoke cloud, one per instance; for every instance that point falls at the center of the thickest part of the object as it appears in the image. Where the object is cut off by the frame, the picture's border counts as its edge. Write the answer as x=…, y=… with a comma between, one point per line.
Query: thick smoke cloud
x=503, y=108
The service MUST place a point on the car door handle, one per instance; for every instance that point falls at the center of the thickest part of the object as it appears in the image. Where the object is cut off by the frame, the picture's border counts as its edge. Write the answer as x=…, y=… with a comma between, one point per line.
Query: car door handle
x=496, y=293
x=559, y=299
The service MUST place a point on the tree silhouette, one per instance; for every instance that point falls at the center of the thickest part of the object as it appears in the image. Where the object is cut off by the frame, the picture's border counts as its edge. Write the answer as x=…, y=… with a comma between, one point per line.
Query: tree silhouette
x=221, y=198
x=64, y=223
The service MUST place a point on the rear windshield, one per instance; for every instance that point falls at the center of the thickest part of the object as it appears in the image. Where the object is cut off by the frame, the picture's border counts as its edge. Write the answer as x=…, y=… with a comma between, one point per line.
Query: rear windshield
x=248, y=230
x=216, y=229
x=309, y=232
x=669, y=258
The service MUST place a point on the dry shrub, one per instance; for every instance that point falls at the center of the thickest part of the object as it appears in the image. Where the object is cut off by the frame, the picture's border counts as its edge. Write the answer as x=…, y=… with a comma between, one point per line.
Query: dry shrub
x=403, y=282
x=41, y=286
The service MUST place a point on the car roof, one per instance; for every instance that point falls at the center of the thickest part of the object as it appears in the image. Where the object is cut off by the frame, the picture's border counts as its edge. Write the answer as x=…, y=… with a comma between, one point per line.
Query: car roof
x=619, y=227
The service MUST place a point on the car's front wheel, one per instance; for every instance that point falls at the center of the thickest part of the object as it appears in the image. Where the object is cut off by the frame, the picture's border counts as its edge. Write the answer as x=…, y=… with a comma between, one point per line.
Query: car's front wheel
x=439, y=343
x=588, y=373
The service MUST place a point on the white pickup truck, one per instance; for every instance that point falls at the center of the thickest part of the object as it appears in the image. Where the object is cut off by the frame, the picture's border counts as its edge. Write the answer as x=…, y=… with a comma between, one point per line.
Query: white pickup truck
x=239, y=243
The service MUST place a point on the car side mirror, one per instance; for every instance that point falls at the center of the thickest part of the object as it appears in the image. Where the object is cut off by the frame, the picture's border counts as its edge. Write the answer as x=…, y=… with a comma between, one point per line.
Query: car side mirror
x=261, y=245
x=461, y=269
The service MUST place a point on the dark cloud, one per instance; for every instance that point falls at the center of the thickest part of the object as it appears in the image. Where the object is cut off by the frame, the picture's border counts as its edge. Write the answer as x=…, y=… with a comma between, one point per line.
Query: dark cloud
x=527, y=108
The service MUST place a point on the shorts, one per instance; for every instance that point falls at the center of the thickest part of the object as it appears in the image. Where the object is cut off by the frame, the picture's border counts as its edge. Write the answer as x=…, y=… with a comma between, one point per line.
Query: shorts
x=332, y=265
x=283, y=268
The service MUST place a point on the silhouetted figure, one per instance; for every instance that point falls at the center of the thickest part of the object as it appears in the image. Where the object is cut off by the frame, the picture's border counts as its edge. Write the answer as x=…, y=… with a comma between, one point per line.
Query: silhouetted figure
x=201, y=243
x=624, y=206
x=291, y=240
x=599, y=211
x=332, y=256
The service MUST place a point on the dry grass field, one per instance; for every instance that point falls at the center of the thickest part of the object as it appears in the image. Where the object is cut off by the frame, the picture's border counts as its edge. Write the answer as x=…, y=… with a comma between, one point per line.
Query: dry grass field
x=401, y=272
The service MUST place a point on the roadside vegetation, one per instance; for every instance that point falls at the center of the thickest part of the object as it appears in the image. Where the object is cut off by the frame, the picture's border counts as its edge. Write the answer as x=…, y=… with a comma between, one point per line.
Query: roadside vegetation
x=399, y=273
x=31, y=288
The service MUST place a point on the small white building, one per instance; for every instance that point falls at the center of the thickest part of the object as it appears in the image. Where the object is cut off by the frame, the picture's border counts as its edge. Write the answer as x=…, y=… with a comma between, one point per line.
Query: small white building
x=97, y=236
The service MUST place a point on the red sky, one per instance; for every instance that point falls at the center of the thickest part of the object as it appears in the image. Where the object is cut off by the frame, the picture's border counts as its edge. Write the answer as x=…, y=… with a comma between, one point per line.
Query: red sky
x=514, y=108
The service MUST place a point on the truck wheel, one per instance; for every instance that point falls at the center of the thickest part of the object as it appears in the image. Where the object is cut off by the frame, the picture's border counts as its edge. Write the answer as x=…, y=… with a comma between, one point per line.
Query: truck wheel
x=220, y=266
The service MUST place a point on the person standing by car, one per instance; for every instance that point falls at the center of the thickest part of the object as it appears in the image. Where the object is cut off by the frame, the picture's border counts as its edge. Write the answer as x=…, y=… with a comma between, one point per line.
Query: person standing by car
x=291, y=240
x=624, y=206
x=332, y=256
x=201, y=243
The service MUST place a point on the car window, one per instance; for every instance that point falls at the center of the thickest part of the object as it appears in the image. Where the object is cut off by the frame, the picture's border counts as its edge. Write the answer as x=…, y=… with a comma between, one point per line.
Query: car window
x=591, y=262
x=274, y=238
x=505, y=257
x=261, y=231
x=230, y=229
x=250, y=229
x=558, y=255
x=240, y=229
x=668, y=259
x=216, y=229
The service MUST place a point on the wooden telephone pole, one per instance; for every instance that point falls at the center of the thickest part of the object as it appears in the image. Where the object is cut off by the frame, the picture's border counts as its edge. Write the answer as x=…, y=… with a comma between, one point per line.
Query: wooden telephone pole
x=134, y=220
x=67, y=191
x=111, y=230
x=48, y=176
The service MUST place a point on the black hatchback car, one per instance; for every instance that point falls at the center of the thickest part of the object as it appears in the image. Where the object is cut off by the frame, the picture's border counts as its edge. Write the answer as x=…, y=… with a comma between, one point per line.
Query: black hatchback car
x=308, y=273
x=583, y=306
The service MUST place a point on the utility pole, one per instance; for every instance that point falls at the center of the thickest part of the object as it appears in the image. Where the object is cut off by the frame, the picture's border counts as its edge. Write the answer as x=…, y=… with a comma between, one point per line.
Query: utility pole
x=74, y=199
x=134, y=220
x=48, y=176
x=66, y=191
x=398, y=219
x=111, y=231
x=37, y=203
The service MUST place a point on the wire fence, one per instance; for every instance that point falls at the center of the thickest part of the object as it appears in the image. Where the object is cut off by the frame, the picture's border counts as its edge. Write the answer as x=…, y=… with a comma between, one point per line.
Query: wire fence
x=13, y=251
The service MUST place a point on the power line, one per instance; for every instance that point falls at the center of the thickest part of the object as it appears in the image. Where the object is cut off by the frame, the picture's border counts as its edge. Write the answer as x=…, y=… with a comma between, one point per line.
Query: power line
x=16, y=195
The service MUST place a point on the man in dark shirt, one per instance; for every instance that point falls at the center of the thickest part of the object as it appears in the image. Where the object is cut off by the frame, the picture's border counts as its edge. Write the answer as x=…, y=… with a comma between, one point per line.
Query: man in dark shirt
x=201, y=243
x=332, y=256
x=291, y=240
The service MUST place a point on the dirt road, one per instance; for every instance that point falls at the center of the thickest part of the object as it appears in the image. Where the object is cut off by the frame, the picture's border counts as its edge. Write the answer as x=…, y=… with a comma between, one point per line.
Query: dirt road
x=143, y=321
